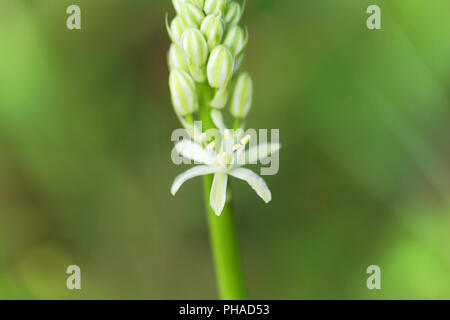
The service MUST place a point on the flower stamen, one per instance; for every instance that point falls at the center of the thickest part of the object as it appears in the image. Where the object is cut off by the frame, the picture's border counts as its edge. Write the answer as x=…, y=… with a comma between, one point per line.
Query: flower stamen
x=237, y=147
x=228, y=134
x=245, y=140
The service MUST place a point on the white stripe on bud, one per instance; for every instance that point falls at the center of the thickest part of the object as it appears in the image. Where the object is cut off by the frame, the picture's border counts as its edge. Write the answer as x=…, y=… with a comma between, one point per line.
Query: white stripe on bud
x=192, y=15
x=236, y=39
x=233, y=13
x=196, y=50
x=220, y=67
x=176, y=58
x=213, y=28
x=182, y=89
x=215, y=7
x=241, y=98
x=195, y=46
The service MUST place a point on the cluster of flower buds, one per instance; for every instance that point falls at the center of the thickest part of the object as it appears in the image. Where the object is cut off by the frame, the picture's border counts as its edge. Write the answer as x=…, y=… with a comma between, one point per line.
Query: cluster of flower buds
x=207, y=49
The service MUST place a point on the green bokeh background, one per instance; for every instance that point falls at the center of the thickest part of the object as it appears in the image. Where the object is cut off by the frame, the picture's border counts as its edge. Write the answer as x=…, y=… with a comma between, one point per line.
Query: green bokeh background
x=85, y=169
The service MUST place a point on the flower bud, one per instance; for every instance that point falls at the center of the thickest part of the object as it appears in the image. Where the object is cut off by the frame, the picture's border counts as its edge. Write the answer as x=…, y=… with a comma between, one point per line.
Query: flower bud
x=199, y=3
x=182, y=89
x=215, y=7
x=220, y=67
x=233, y=13
x=192, y=15
x=195, y=46
x=196, y=50
x=176, y=58
x=220, y=98
x=176, y=29
x=238, y=62
x=213, y=28
x=178, y=4
x=236, y=39
x=241, y=98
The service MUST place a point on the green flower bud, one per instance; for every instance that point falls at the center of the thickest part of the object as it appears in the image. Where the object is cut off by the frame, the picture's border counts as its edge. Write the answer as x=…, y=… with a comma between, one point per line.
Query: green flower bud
x=178, y=4
x=199, y=3
x=195, y=46
x=176, y=29
x=241, y=98
x=176, y=58
x=196, y=50
x=238, y=63
x=182, y=89
x=233, y=13
x=215, y=7
x=213, y=28
x=236, y=39
x=220, y=67
x=220, y=98
x=192, y=15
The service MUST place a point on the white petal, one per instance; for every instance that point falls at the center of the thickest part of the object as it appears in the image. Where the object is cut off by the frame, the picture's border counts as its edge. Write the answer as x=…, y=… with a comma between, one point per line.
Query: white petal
x=258, y=153
x=189, y=174
x=194, y=151
x=255, y=181
x=218, y=192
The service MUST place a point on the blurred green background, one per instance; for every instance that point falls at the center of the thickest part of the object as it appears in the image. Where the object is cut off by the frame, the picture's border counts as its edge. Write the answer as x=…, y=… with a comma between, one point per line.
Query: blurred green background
x=85, y=169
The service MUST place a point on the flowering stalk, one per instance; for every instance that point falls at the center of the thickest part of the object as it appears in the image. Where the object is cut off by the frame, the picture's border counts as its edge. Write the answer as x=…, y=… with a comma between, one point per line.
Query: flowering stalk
x=222, y=231
x=204, y=60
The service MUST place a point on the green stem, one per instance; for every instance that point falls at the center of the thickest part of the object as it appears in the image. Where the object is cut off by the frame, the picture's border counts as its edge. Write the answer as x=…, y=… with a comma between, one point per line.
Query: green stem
x=225, y=249
x=237, y=123
x=189, y=118
x=222, y=229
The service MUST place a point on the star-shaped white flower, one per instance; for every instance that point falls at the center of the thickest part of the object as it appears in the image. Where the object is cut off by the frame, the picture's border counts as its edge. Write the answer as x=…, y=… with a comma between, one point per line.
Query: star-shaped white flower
x=227, y=161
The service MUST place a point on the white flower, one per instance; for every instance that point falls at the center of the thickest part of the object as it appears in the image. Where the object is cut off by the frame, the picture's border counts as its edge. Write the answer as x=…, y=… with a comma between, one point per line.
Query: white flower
x=226, y=160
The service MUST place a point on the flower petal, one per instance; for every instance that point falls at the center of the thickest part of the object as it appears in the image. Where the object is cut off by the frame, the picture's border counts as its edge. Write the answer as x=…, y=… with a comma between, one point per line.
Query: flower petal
x=258, y=153
x=194, y=151
x=256, y=182
x=218, y=192
x=189, y=174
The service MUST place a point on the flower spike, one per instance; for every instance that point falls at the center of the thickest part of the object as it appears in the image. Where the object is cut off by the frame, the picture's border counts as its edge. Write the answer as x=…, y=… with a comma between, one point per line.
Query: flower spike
x=207, y=50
